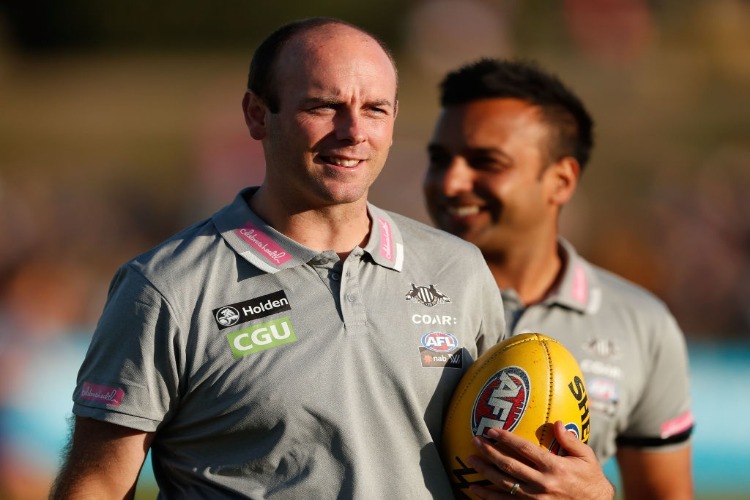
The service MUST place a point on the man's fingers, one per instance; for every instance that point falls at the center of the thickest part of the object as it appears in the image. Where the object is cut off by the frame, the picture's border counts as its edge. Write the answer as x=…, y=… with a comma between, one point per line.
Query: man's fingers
x=507, y=460
x=519, y=448
x=501, y=481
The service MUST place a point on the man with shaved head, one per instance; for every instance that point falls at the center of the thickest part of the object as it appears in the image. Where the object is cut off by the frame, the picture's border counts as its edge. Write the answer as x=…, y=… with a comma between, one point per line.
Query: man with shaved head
x=280, y=348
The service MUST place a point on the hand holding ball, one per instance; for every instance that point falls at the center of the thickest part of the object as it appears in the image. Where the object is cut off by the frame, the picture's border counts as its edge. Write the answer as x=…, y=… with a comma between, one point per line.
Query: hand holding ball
x=523, y=385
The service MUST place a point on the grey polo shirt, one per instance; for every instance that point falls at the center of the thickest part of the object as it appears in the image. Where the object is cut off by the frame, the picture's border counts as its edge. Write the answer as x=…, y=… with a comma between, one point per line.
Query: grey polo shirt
x=268, y=369
x=630, y=349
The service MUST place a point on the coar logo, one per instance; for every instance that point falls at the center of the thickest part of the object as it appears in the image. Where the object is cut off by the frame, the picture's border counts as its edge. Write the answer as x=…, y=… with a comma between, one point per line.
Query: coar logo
x=439, y=341
x=261, y=337
x=502, y=401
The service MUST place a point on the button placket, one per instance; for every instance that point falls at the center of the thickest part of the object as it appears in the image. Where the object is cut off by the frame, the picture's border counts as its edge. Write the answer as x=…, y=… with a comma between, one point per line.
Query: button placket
x=329, y=270
x=352, y=308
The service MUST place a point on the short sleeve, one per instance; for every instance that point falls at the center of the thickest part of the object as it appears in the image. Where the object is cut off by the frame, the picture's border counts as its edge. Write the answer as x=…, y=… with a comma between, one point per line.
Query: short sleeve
x=663, y=415
x=492, y=330
x=130, y=375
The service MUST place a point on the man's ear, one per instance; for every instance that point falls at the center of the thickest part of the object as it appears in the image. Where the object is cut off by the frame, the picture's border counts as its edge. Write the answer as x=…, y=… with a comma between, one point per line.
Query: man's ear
x=255, y=111
x=564, y=177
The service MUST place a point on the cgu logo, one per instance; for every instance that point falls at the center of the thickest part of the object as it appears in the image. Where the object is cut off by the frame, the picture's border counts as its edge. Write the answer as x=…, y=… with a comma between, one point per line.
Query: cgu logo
x=261, y=337
x=439, y=341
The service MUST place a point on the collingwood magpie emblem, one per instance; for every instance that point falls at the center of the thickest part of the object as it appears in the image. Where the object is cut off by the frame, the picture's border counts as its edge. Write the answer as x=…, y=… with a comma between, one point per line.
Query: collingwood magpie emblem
x=427, y=295
x=603, y=348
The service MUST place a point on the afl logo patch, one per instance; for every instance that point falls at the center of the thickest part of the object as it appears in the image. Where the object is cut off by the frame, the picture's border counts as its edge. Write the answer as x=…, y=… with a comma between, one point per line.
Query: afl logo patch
x=427, y=295
x=227, y=316
x=502, y=401
x=439, y=341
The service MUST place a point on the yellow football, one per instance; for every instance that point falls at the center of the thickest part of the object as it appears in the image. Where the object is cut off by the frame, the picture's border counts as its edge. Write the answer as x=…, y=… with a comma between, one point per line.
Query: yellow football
x=523, y=384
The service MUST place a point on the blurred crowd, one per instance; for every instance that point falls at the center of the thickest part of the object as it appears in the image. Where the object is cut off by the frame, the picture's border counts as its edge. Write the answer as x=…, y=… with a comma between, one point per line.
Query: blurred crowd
x=675, y=219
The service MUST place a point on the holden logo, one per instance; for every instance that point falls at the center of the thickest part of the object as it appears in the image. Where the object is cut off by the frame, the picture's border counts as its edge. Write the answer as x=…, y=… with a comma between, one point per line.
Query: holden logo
x=227, y=316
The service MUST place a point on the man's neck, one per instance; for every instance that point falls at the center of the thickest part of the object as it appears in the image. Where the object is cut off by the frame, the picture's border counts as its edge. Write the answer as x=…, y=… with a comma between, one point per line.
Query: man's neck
x=338, y=227
x=531, y=271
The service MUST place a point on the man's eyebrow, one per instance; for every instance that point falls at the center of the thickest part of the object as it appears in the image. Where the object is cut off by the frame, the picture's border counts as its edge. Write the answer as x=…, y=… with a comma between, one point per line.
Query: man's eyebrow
x=434, y=147
x=487, y=151
x=322, y=100
x=381, y=102
x=313, y=100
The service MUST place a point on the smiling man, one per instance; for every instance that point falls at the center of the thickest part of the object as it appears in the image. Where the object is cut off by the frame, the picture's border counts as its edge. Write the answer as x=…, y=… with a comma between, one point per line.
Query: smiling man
x=279, y=348
x=505, y=157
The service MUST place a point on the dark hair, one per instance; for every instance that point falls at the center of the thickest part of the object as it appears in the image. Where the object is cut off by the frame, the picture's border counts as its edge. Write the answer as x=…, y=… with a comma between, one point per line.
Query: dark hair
x=560, y=107
x=261, y=76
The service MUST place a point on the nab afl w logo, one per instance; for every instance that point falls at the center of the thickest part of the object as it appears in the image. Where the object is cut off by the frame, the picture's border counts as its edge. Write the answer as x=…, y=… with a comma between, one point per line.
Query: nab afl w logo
x=427, y=295
x=502, y=401
x=227, y=316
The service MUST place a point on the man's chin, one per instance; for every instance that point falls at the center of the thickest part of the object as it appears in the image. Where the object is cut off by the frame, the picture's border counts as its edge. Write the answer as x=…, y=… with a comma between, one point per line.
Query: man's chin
x=462, y=231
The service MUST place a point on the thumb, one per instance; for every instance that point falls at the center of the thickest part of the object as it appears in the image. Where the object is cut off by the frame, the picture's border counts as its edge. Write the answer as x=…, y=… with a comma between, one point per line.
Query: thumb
x=570, y=442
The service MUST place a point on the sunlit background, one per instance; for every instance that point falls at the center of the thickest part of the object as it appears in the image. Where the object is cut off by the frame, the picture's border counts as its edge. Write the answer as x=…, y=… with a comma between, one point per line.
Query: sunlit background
x=120, y=123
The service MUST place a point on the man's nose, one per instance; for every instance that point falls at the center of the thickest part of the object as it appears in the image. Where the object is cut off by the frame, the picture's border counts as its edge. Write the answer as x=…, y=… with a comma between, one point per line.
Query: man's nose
x=350, y=127
x=457, y=178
